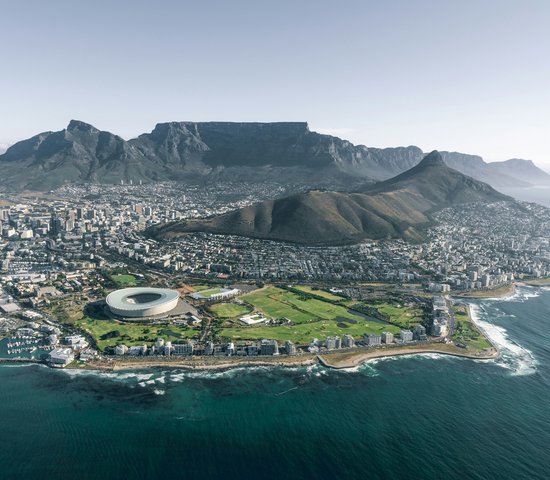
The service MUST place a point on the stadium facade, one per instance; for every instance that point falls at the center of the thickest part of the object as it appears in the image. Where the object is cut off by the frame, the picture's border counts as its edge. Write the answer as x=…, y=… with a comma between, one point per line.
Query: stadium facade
x=142, y=302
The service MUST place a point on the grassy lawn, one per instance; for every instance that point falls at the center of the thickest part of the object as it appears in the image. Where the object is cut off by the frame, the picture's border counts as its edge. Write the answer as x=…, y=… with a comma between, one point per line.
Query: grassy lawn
x=305, y=332
x=319, y=293
x=229, y=310
x=312, y=318
x=278, y=303
x=199, y=288
x=209, y=293
x=270, y=301
x=123, y=281
x=466, y=332
x=131, y=333
x=404, y=316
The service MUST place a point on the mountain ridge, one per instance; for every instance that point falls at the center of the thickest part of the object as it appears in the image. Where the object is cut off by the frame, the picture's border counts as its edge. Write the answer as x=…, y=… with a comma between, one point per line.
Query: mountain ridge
x=188, y=150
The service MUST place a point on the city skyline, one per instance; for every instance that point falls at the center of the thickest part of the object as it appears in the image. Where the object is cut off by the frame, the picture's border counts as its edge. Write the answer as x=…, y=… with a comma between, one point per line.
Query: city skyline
x=465, y=77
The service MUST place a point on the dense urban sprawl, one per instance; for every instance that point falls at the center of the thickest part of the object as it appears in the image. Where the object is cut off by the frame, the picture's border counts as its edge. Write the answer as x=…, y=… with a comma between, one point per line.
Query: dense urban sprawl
x=57, y=244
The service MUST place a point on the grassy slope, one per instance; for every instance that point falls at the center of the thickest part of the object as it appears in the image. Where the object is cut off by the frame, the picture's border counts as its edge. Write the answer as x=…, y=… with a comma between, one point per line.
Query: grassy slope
x=399, y=207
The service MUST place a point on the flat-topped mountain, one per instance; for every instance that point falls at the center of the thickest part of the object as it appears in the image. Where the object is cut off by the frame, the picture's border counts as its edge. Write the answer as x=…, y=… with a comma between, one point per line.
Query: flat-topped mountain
x=181, y=151
x=397, y=208
x=187, y=150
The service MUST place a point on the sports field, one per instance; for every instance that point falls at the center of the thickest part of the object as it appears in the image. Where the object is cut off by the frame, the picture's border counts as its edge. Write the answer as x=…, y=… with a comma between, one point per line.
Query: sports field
x=124, y=280
x=229, y=310
x=199, y=288
x=209, y=293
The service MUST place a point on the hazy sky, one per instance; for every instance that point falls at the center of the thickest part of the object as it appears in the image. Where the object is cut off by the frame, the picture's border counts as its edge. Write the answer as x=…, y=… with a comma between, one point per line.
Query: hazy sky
x=471, y=76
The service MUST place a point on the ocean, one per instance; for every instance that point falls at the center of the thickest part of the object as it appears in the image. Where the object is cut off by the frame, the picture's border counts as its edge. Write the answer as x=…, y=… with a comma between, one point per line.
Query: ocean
x=540, y=195
x=418, y=417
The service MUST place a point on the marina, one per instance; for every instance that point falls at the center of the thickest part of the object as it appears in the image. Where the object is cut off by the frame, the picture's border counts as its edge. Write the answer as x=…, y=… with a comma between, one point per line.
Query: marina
x=25, y=347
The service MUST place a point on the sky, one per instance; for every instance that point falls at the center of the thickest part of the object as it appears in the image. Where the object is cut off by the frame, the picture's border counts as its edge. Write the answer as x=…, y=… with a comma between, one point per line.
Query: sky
x=468, y=76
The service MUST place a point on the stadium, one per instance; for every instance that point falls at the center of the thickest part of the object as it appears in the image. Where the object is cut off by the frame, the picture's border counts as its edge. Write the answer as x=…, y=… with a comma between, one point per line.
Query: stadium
x=142, y=302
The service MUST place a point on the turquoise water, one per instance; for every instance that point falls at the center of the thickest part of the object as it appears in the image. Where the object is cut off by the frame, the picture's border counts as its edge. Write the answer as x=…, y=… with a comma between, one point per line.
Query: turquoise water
x=421, y=417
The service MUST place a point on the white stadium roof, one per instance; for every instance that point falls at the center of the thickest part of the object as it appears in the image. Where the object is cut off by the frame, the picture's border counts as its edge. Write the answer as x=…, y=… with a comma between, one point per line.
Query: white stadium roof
x=142, y=301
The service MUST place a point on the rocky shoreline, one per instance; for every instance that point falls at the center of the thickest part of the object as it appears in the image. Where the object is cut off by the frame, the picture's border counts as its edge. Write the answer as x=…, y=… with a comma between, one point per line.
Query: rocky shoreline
x=355, y=359
x=335, y=360
x=500, y=292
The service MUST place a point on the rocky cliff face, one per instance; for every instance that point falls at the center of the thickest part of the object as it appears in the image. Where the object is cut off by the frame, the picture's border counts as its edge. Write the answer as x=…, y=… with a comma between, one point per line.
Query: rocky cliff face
x=284, y=151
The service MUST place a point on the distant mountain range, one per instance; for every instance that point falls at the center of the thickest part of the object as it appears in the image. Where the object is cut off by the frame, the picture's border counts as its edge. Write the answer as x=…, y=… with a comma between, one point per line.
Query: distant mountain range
x=396, y=208
x=286, y=151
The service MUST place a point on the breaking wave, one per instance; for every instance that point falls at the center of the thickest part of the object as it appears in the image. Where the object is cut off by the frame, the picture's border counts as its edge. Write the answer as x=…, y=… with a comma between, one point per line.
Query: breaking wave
x=514, y=357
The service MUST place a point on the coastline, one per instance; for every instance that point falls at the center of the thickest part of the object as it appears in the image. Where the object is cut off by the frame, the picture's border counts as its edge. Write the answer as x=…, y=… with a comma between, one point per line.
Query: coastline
x=500, y=292
x=202, y=364
x=355, y=359
x=539, y=282
x=337, y=359
x=334, y=360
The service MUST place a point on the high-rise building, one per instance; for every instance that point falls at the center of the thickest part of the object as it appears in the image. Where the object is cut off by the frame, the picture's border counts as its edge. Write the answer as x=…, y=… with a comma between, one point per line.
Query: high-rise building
x=290, y=348
x=184, y=349
x=387, y=337
x=333, y=343
x=56, y=225
x=373, y=339
x=252, y=350
x=269, y=347
x=348, y=341
x=420, y=332
x=121, y=350
x=69, y=225
x=406, y=335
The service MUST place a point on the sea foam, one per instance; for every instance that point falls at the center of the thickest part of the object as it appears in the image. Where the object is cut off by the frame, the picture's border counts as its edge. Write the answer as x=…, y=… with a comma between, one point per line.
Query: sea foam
x=513, y=356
